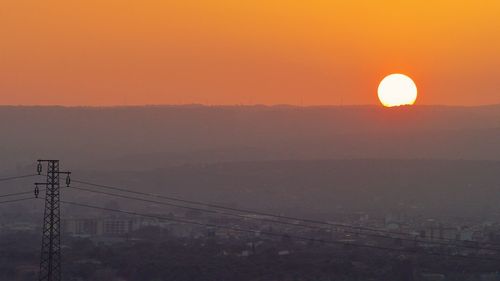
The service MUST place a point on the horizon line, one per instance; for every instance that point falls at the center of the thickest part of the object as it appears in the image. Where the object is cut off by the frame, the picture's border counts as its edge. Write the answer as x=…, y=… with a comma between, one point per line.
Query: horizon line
x=247, y=105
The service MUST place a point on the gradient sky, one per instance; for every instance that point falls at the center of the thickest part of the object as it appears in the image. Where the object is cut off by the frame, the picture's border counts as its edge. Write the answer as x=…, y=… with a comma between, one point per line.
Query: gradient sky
x=104, y=52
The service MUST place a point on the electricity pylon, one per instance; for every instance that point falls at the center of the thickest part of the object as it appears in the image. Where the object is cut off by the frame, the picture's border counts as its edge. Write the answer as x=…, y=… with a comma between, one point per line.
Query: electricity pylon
x=50, y=258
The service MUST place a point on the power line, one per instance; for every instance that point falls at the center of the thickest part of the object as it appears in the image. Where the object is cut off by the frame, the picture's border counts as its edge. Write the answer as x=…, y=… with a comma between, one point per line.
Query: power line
x=17, y=177
x=252, y=218
x=21, y=193
x=16, y=200
x=15, y=194
x=234, y=228
x=258, y=232
x=216, y=206
x=281, y=222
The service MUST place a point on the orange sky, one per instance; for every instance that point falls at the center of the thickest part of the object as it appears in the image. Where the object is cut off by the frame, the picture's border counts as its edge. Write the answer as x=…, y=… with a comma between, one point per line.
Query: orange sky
x=103, y=52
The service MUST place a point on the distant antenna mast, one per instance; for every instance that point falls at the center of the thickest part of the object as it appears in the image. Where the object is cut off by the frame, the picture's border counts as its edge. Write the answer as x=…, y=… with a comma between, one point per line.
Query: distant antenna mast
x=50, y=258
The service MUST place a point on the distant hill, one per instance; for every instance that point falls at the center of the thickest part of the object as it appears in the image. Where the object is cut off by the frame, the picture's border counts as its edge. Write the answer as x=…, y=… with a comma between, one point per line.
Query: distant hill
x=140, y=138
x=305, y=159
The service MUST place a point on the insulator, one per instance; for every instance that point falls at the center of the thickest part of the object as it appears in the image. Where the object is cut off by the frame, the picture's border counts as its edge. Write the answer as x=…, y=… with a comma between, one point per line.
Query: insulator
x=37, y=191
x=68, y=180
x=39, y=168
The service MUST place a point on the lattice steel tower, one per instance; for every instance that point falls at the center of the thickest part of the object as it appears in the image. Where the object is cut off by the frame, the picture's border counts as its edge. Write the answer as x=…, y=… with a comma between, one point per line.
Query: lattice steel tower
x=50, y=258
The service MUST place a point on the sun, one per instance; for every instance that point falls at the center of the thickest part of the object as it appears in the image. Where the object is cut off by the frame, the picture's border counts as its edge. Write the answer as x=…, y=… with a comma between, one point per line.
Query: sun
x=396, y=90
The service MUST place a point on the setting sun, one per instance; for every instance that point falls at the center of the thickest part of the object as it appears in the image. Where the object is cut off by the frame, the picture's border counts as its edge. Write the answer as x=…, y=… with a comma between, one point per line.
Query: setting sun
x=397, y=90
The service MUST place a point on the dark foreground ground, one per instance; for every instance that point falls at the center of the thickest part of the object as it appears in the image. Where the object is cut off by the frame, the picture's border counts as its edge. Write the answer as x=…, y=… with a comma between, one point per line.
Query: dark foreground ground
x=154, y=256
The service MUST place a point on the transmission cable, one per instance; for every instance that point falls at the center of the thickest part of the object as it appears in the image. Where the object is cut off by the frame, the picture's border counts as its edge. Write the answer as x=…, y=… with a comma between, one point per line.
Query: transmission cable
x=280, y=222
x=17, y=200
x=17, y=177
x=216, y=206
x=267, y=233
